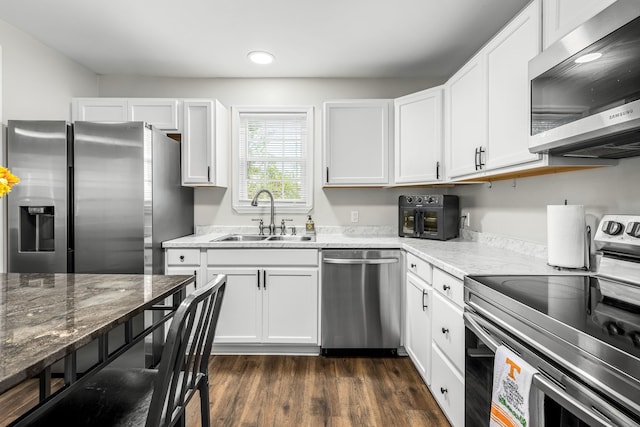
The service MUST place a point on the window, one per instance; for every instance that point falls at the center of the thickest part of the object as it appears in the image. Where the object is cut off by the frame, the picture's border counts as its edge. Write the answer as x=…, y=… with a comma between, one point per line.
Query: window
x=272, y=149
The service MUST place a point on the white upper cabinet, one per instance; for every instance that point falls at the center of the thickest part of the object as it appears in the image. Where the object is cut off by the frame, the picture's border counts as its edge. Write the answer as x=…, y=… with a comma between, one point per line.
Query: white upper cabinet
x=162, y=113
x=466, y=117
x=99, y=109
x=562, y=16
x=418, y=137
x=487, y=102
x=205, y=143
x=356, y=142
x=508, y=56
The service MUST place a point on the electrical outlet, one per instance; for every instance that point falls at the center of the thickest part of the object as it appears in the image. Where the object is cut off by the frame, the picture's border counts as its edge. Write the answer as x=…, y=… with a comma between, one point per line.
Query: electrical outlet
x=355, y=216
x=467, y=219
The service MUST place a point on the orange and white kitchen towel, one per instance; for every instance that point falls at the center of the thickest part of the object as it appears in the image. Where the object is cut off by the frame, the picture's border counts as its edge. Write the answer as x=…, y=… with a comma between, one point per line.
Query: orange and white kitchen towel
x=511, y=385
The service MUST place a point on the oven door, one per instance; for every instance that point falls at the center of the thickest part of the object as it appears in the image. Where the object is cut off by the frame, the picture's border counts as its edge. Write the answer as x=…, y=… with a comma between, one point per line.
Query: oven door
x=410, y=224
x=433, y=223
x=561, y=403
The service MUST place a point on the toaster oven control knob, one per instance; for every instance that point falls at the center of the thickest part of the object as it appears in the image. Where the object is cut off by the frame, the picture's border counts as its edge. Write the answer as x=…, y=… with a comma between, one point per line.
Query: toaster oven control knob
x=614, y=329
x=409, y=199
x=633, y=229
x=419, y=200
x=611, y=228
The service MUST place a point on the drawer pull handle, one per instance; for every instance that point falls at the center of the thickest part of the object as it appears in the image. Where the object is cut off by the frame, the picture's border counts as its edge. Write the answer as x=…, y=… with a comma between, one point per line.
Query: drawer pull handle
x=445, y=330
x=181, y=258
x=413, y=265
x=443, y=390
x=424, y=306
x=446, y=287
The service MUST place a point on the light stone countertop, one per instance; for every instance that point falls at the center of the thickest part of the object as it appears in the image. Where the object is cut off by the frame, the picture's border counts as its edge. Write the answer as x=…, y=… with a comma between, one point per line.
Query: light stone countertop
x=457, y=257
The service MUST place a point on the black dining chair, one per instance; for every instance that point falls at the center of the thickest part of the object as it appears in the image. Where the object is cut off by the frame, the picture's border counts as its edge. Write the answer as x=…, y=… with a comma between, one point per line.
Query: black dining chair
x=150, y=397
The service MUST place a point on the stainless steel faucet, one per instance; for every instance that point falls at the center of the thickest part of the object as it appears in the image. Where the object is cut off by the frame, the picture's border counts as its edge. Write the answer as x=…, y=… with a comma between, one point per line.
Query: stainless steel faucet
x=254, y=202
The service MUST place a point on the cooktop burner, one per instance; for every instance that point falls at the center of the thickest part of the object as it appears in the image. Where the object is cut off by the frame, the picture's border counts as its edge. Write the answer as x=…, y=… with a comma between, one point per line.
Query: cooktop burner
x=600, y=308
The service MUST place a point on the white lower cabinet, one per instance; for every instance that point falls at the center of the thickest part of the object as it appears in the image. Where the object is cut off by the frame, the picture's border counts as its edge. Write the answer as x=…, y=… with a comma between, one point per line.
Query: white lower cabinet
x=447, y=386
x=448, y=329
x=268, y=306
x=241, y=314
x=185, y=262
x=275, y=302
x=447, y=352
x=434, y=333
x=417, y=341
x=290, y=306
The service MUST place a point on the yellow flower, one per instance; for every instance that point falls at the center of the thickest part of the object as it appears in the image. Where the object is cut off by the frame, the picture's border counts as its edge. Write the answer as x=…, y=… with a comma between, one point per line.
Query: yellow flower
x=7, y=180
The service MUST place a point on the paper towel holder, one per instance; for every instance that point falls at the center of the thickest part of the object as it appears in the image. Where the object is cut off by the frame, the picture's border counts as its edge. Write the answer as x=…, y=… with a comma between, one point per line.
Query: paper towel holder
x=587, y=250
x=587, y=253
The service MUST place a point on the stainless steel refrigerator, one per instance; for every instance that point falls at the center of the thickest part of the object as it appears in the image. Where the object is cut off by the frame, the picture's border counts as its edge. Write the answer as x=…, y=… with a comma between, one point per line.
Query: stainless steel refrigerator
x=93, y=197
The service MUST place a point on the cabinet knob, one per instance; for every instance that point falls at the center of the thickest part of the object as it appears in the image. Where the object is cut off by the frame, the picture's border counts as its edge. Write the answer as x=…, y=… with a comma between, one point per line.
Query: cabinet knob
x=413, y=265
x=445, y=330
x=443, y=390
x=181, y=258
x=446, y=287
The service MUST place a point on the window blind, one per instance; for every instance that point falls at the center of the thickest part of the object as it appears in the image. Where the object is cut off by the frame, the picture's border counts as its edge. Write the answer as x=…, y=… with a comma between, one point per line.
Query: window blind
x=273, y=155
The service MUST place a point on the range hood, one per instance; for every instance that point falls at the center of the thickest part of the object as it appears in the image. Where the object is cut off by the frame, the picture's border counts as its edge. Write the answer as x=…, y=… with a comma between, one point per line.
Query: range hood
x=585, y=88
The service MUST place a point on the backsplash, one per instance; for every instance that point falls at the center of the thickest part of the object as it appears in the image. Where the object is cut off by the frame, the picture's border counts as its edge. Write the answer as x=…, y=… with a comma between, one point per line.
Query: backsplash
x=515, y=245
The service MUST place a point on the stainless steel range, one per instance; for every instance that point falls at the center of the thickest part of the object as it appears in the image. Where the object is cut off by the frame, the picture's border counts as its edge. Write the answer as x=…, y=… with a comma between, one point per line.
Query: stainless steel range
x=581, y=332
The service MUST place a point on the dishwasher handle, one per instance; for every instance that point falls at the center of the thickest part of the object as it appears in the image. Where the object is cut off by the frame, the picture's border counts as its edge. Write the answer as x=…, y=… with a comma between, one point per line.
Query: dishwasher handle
x=356, y=261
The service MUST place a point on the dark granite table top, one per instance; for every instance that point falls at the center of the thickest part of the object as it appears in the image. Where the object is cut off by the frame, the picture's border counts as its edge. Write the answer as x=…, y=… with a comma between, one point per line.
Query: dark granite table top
x=43, y=317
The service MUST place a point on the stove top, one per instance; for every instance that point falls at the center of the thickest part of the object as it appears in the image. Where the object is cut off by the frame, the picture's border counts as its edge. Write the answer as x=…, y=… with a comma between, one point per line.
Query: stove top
x=588, y=325
x=604, y=310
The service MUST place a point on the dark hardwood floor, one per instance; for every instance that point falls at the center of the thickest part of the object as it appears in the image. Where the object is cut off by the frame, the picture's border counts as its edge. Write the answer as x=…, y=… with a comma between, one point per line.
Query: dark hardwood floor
x=319, y=391
x=301, y=391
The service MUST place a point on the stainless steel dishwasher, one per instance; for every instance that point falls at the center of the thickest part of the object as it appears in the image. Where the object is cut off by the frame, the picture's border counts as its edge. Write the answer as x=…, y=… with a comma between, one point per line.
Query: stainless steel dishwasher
x=361, y=292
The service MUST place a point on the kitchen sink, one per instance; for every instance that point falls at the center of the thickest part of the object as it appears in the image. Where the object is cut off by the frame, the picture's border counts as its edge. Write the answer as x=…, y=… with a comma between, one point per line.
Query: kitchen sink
x=290, y=238
x=240, y=238
x=259, y=238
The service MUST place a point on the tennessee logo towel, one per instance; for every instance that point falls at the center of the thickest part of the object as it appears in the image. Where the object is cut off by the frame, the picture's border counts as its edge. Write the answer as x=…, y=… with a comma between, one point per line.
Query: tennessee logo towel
x=511, y=384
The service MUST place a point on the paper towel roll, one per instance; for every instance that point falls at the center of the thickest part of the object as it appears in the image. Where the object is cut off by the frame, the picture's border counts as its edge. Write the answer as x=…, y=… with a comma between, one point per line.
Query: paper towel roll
x=566, y=244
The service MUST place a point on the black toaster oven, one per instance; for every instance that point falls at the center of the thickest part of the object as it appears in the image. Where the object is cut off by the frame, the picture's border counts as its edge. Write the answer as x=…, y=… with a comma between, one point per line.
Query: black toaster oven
x=428, y=216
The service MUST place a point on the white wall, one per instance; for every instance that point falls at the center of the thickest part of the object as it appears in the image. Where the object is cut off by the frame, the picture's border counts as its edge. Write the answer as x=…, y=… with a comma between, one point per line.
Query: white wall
x=331, y=206
x=37, y=83
x=521, y=211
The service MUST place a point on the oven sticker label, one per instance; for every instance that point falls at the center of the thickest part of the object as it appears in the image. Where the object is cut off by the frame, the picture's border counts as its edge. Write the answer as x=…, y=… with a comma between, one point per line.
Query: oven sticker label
x=511, y=386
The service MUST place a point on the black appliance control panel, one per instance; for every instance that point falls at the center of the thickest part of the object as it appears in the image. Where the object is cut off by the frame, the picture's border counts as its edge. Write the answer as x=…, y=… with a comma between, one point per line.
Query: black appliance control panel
x=421, y=200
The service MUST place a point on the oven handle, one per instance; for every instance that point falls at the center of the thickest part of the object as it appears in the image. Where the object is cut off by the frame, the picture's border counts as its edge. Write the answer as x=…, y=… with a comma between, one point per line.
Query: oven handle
x=590, y=415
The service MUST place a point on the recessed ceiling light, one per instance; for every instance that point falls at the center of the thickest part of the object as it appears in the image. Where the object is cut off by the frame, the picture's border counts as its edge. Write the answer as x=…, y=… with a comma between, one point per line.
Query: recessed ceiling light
x=260, y=57
x=588, y=57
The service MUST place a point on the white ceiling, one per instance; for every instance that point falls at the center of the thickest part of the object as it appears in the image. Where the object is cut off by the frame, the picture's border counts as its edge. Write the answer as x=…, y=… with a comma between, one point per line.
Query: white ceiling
x=211, y=38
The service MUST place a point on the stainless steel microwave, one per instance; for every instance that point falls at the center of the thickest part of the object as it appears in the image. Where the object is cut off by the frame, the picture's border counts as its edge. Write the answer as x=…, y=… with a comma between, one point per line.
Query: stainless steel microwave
x=585, y=88
x=433, y=217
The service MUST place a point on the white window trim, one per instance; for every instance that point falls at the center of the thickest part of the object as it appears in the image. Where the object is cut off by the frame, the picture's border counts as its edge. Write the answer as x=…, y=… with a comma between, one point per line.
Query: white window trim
x=263, y=207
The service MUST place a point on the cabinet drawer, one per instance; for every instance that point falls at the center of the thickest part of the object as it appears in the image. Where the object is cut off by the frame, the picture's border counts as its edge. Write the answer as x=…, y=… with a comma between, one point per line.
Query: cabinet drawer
x=447, y=386
x=262, y=257
x=449, y=286
x=181, y=257
x=419, y=267
x=448, y=329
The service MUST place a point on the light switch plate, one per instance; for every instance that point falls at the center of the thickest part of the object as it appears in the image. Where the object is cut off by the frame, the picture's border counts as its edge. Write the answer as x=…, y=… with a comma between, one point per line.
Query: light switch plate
x=355, y=216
